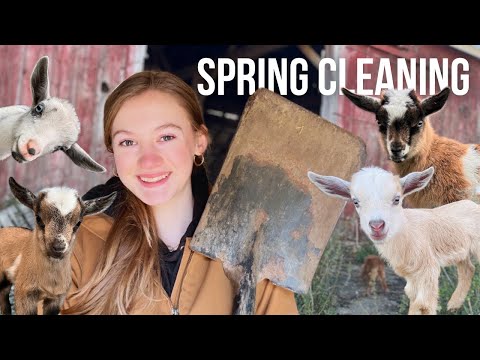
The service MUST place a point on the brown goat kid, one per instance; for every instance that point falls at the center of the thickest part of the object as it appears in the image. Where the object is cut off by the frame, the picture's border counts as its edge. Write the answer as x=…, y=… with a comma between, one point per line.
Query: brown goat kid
x=413, y=145
x=374, y=268
x=38, y=261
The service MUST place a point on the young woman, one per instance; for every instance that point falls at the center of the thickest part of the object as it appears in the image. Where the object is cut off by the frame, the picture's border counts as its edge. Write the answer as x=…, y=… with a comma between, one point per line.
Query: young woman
x=136, y=259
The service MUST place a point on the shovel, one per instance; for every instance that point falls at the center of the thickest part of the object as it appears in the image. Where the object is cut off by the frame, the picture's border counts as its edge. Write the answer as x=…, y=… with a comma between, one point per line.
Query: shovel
x=264, y=219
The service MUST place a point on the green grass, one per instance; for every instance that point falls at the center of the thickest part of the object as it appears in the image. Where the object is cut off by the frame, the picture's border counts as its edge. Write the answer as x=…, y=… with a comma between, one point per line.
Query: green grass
x=321, y=299
x=365, y=250
x=447, y=284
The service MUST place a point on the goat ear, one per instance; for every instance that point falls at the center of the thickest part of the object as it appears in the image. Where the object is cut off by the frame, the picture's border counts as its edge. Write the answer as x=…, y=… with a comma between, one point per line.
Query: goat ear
x=416, y=181
x=25, y=196
x=82, y=159
x=98, y=205
x=435, y=102
x=331, y=185
x=367, y=103
x=39, y=82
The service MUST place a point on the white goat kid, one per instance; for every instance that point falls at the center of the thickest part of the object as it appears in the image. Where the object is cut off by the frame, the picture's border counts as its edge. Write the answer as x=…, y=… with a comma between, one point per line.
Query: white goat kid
x=415, y=242
x=38, y=261
x=51, y=124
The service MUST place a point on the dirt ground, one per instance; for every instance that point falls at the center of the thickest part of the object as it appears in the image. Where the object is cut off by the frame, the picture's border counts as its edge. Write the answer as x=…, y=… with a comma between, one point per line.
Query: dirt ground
x=351, y=297
x=351, y=289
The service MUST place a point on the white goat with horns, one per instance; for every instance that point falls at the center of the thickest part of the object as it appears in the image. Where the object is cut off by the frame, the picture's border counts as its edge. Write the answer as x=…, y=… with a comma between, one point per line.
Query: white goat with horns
x=415, y=242
x=50, y=124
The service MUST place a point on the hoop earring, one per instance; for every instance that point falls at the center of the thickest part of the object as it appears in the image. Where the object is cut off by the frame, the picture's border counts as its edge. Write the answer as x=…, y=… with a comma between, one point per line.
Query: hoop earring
x=201, y=161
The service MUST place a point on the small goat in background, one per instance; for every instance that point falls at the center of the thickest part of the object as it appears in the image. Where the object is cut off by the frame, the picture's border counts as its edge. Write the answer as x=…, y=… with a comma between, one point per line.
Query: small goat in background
x=415, y=242
x=413, y=145
x=374, y=268
x=51, y=124
x=38, y=261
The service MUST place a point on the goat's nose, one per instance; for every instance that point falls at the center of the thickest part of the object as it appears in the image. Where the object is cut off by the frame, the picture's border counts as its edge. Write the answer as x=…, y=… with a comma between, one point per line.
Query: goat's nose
x=377, y=225
x=396, y=148
x=32, y=147
x=59, y=246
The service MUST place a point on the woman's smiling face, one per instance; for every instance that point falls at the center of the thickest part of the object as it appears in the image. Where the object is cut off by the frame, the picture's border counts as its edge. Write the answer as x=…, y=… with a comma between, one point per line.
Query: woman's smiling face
x=154, y=143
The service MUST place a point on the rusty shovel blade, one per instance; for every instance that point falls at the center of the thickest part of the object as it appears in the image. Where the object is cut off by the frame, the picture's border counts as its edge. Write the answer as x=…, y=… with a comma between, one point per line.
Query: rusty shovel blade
x=264, y=218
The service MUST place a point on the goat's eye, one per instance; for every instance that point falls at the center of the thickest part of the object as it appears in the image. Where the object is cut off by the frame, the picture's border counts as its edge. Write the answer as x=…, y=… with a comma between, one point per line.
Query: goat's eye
x=39, y=109
x=420, y=123
x=396, y=200
x=356, y=203
x=39, y=221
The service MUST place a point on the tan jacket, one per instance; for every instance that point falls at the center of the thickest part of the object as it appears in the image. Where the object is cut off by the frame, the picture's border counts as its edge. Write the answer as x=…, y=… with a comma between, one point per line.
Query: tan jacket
x=201, y=286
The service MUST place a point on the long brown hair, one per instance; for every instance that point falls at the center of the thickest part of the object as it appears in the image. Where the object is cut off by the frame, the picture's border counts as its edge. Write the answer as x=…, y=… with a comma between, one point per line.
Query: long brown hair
x=129, y=265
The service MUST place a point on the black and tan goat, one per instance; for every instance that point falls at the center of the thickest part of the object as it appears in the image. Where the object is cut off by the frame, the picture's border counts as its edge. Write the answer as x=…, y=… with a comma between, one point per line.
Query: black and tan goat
x=38, y=261
x=413, y=145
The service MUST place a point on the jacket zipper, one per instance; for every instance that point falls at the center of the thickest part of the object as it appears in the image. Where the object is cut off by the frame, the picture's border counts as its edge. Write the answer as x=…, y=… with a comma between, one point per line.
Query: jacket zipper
x=174, y=311
x=175, y=308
